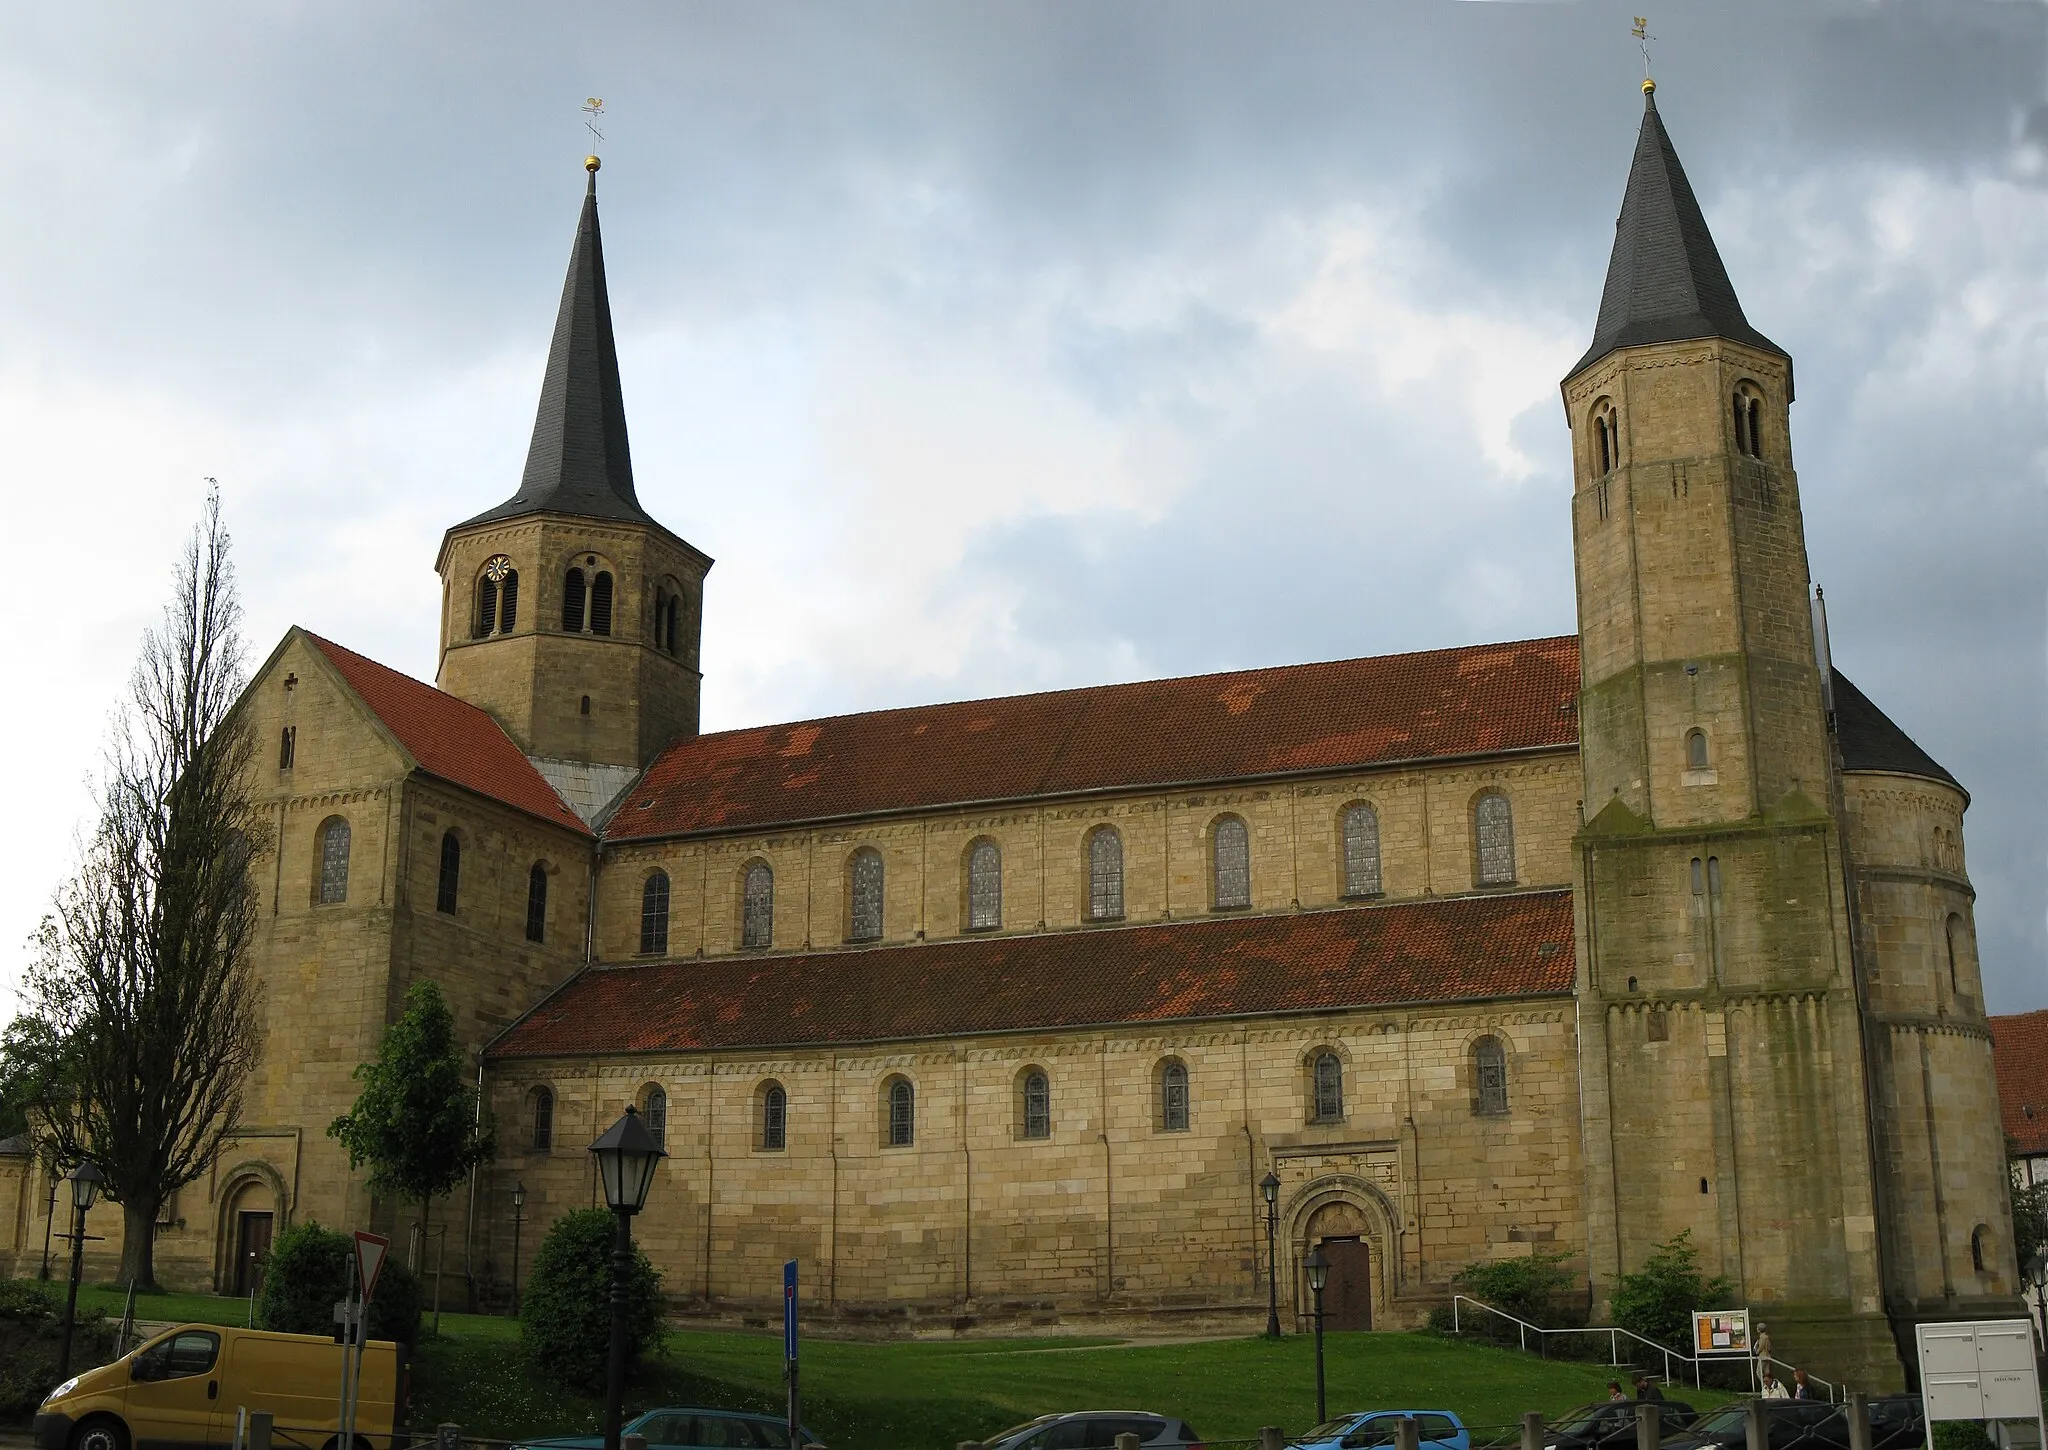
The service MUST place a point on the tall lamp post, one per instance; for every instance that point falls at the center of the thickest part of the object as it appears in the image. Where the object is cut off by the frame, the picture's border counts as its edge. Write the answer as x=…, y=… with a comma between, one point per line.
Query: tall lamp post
x=86, y=1179
x=1318, y=1270
x=627, y=1156
x=518, y=1218
x=1269, y=1189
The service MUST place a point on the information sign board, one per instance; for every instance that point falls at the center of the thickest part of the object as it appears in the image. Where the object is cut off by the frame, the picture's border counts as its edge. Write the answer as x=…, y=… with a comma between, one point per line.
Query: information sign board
x=1720, y=1331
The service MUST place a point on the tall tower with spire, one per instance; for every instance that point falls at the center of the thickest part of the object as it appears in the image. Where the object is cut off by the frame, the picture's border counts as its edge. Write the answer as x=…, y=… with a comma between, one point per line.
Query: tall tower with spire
x=1724, y=1082
x=568, y=612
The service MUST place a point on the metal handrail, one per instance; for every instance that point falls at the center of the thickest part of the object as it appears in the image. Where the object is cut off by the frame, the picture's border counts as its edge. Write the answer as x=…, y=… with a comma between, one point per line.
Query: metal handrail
x=1614, y=1335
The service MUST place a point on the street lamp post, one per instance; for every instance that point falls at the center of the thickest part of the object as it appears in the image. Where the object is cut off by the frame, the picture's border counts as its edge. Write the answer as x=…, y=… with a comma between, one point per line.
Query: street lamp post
x=627, y=1156
x=1318, y=1269
x=86, y=1179
x=1269, y=1189
x=518, y=1217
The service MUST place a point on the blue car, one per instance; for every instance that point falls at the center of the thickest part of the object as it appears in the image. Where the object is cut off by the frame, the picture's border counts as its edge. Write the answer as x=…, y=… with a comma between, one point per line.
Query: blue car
x=1437, y=1429
x=691, y=1429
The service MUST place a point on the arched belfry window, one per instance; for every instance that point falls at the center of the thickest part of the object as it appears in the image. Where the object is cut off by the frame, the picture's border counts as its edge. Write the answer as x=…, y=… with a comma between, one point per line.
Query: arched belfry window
x=601, y=603
x=864, y=913
x=450, y=884
x=667, y=611
x=497, y=597
x=757, y=906
x=1606, y=449
x=984, y=886
x=1749, y=421
x=675, y=614
x=333, y=877
x=575, y=594
x=1361, y=851
x=1230, y=850
x=1493, y=830
x=537, y=902
x=1489, y=1077
x=1105, y=875
x=1695, y=750
x=654, y=915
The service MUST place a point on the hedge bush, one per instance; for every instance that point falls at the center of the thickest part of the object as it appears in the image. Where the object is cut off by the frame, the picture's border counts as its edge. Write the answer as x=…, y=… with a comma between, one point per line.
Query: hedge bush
x=31, y=1327
x=565, y=1306
x=309, y=1274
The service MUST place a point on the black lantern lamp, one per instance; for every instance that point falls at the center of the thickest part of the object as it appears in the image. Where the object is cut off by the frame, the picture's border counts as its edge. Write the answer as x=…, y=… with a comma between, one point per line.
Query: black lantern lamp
x=86, y=1181
x=627, y=1155
x=1269, y=1189
x=1317, y=1268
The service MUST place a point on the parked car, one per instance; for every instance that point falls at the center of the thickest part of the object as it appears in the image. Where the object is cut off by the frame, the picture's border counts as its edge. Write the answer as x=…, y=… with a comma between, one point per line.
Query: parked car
x=1897, y=1422
x=1794, y=1425
x=1097, y=1430
x=1436, y=1430
x=1611, y=1425
x=692, y=1429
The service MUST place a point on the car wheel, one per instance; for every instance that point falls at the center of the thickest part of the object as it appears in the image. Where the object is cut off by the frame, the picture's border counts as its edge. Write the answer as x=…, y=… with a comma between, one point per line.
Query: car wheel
x=100, y=1432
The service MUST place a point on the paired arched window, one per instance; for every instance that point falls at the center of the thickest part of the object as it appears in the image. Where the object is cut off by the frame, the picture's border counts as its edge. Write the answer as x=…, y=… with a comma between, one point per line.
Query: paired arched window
x=1489, y=1077
x=1493, y=831
x=540, y=1119
x=984, y=886
x=757, y=906
x=450, y=884
x=864, y=895
x=1695, y=750
x=654, y=1112
x=1606, y=439
x=1749, y=421
x=1173, y=1096
x=1326, y=1083
x=587, y=600
x=774, y=1114
x=334, y=836
x=668, y=610
x=1361, y=851
x=899, y=1101
x=1034, y=1106
x=497, y=598
x=1230, y=852
x=537, y=902
x=1105, y=875
x=654, y=915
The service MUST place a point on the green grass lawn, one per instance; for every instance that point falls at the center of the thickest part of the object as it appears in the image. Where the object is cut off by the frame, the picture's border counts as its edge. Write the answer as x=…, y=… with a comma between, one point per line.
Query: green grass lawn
x=930, y=1394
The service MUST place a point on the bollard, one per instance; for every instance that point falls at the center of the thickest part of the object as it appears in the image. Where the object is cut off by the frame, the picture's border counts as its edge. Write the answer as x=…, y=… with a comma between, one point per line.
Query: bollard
x=632, y=1442
x=1757, y=1428
x=1270, y=1437
x=259, y=1429
x=1407, y=1434
x=447, y=1437
x=1127, y=1441
x=1649, y=1424
x=1532, y=1431
x=1859, y=1421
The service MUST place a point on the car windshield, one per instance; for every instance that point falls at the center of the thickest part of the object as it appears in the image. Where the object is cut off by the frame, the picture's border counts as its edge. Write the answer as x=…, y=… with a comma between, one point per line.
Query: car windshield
x=1016, y=1430
x=1330, y=1429
x=1585, y=1417
x=1722, y=1421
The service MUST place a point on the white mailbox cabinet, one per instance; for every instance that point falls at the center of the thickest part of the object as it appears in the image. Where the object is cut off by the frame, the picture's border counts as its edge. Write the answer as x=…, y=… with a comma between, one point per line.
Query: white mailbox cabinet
x=1979, y=1370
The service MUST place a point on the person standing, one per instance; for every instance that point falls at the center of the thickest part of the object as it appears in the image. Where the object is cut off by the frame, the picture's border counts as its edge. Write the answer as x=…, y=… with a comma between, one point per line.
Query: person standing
x=1773, y=1387
x=1763, y=1345
x=1614, y=1390
x=1801, y=1390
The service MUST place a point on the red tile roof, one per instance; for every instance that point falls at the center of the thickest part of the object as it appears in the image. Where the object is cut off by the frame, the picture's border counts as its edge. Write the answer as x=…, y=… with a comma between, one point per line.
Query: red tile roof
x=1478, y=700
x=2019, y=1052
x=450, y=738
x=1414, y=952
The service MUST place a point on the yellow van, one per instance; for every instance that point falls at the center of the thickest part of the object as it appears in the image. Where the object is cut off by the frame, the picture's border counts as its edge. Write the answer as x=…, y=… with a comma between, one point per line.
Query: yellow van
x=181, y=1391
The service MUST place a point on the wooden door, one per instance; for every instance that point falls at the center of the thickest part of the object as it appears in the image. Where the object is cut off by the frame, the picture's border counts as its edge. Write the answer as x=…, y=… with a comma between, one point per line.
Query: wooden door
x=252, y=1251
x=1347, y=1296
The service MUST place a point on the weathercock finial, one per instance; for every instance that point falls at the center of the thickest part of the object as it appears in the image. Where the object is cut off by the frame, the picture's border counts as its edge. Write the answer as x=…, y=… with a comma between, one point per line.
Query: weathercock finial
x=593, y=107
x=1641, y=31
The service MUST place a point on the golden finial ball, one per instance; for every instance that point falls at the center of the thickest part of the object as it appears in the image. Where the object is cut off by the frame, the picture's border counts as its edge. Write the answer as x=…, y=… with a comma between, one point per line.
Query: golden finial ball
x=1649, y=87
x=591, y=163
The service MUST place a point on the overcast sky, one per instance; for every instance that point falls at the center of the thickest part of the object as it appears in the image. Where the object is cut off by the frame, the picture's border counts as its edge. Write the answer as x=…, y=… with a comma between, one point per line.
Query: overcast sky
x=995, y=347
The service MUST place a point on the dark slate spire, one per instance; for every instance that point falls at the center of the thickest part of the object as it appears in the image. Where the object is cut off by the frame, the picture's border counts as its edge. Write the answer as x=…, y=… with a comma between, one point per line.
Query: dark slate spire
x=1665, y=281
x=578, y=462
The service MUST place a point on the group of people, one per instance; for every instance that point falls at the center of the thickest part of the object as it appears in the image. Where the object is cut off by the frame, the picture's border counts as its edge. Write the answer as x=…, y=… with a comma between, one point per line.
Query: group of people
x=1769, y=1386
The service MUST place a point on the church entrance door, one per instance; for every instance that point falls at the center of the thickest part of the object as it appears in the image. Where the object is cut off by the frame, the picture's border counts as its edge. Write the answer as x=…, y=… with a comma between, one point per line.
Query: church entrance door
x=1347, y=1296
x=252, y=1251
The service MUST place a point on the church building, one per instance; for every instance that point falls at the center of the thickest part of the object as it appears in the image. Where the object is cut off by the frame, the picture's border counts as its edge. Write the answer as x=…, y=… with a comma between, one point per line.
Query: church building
x=1104, y=1006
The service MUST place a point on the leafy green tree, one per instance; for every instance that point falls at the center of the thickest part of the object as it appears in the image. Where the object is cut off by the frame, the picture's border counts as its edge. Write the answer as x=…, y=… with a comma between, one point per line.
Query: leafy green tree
x=309, y=1273
x=1532, y=1288
x=565, y=1308
x=2029, y=1210
x=32, y=1072
x=1658, y=1300
x=417, y=1122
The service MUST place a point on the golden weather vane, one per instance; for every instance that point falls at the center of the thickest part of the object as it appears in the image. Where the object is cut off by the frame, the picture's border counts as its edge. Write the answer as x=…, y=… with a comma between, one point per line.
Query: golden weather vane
x=1641, y=31
x=593, y=107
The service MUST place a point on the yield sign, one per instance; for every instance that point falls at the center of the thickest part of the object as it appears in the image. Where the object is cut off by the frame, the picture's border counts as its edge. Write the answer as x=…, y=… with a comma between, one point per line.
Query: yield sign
x=370, y=1252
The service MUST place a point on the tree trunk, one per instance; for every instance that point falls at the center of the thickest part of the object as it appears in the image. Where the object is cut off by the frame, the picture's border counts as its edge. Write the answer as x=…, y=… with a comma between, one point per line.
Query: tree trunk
x=138, y=1245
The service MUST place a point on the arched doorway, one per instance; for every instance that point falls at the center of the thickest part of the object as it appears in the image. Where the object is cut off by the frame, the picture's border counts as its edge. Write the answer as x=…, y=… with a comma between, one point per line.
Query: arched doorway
x=1341, y=1230
x=251, y=1225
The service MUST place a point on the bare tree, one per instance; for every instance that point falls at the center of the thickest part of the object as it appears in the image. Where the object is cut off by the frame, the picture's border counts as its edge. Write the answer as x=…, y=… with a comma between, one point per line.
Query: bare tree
x=143, y=969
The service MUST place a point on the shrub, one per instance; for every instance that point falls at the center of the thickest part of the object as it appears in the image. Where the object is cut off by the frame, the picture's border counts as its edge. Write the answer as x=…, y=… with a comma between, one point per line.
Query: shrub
x=309, y=1274
x=31, y=1324
x=565, y=1315
x=1536, y=1288
x=1658, y=1300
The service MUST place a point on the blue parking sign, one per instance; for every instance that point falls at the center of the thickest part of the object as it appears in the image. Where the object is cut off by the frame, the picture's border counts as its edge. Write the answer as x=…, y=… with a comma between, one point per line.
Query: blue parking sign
x=789, y=1311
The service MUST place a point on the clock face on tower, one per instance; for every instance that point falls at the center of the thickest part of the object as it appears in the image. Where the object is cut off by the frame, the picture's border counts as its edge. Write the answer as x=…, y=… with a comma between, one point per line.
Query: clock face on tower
x=496, y=568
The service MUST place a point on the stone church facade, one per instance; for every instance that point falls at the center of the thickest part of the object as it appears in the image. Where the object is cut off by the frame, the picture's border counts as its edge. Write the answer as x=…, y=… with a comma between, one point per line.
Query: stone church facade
x=995, y=1013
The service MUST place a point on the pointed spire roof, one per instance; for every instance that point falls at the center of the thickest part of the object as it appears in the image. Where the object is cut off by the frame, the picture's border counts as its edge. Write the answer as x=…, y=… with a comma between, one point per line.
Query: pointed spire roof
x=1665, y=281
x=579, y=461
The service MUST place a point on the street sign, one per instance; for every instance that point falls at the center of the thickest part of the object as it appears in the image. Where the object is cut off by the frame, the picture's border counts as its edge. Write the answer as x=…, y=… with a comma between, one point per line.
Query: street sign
x=1720, y=1331
x=370, y=1252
